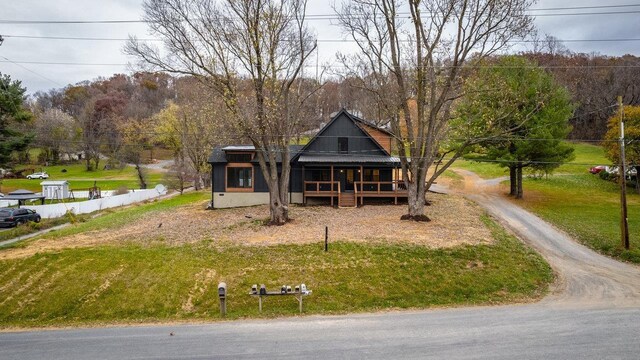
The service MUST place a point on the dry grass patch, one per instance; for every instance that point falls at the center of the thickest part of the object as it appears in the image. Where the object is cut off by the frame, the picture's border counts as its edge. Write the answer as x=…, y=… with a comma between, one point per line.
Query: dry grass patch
x=455, y=221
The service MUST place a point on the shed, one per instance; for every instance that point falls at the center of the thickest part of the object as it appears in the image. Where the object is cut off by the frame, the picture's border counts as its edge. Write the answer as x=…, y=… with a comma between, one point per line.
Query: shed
x=55, y=190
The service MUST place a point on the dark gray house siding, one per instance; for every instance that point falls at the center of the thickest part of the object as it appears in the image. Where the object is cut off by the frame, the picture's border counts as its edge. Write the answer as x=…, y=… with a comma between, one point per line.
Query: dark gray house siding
x=326, y=142
x=342, y=145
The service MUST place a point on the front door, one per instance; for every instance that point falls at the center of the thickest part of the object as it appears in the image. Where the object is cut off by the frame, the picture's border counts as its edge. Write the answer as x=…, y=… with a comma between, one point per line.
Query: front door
x=347, y=177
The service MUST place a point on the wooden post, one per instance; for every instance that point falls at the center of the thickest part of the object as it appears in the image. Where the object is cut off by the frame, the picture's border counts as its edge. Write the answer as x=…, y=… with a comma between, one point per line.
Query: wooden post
x=395, y=185
x=304, y=189
x=326, y=238
x=260, y=303
x=332, y=185
x=361, y=187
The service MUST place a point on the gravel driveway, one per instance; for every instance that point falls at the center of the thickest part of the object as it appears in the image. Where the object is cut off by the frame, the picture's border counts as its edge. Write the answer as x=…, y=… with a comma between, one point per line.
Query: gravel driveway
x=586, y=278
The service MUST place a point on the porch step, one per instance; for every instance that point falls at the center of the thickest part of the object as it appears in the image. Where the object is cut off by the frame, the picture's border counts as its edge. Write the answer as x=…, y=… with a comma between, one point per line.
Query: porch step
x=347, y=200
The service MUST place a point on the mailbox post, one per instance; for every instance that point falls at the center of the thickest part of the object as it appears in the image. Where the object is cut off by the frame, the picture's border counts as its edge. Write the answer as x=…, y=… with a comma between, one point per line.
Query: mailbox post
x=222, y=294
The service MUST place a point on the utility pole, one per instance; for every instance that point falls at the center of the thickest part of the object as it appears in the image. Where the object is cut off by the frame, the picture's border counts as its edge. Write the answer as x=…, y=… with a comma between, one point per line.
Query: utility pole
x=624, y=224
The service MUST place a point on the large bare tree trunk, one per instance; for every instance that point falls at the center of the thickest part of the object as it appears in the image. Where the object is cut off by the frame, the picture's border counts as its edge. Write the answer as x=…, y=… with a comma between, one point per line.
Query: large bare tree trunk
x=278, y=204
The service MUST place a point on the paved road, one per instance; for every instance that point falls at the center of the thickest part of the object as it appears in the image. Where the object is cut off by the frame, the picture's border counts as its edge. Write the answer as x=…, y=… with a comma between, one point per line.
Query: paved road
x=511, y=332
x=593, y=313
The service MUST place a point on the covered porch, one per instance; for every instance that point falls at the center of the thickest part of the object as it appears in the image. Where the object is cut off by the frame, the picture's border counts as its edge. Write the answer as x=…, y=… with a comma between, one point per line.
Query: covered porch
x=348, y=185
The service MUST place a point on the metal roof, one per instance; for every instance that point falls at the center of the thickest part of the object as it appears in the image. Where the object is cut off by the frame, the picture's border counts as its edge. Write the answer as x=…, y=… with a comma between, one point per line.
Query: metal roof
x=55, y=182
x=21, y=192
x=348, y=158
x=239, y=148
x=218, y=155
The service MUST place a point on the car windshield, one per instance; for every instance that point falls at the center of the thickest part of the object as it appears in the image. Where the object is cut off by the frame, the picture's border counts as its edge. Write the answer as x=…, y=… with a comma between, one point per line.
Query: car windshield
x=5, y=213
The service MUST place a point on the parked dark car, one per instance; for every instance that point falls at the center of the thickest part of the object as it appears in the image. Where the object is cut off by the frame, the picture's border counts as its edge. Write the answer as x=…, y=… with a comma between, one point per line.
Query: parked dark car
x=12, y=217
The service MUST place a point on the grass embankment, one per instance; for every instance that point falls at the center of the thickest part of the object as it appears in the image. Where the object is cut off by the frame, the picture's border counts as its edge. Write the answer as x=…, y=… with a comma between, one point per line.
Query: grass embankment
x=79, y=178
x=32, y=227
x=582, y=204
x=131, y=283
x=116, y=218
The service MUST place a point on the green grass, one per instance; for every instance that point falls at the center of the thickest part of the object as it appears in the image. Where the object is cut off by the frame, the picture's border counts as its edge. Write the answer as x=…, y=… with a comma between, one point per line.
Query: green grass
x=485, y=170
x=585, y=206
x=32, y=227
x=80, y=178
x=588, y=208
x=586, y=156
x=129, y=283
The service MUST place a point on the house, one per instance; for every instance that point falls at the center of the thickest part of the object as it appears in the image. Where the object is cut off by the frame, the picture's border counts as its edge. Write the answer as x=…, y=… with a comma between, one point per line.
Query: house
x=347, y=162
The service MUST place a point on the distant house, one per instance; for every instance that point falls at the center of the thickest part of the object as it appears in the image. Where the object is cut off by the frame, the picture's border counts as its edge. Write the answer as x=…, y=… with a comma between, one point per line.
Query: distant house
x=347, y=162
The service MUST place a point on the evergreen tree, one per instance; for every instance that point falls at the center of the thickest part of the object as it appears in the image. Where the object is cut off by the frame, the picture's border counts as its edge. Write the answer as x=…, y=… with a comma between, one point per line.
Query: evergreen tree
x=12, y=113
x=521, y=102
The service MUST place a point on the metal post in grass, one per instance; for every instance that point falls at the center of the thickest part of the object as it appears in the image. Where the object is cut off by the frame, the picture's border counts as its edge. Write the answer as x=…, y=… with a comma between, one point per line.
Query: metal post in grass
x=326, y=238
x=222, y=294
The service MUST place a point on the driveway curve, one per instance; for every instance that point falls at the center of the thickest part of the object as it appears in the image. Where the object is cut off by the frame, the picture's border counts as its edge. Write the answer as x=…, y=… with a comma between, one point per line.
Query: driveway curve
x=585, y=278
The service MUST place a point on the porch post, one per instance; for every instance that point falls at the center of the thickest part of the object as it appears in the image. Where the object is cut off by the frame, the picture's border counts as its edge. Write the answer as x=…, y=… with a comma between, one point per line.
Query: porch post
x=361, y=186
x=304, y=188
x=332, y=185
x=395, y=186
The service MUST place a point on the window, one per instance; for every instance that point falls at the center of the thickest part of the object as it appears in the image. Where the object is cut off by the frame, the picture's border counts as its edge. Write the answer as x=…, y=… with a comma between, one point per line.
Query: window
x=343, y=144
x=239, y=157
x=371, y=175
x=320, y=175
x=239, y=177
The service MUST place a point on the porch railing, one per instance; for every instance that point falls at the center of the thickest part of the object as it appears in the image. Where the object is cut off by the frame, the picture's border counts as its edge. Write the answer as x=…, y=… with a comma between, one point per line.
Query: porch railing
x=322, y=187
x=381, y=187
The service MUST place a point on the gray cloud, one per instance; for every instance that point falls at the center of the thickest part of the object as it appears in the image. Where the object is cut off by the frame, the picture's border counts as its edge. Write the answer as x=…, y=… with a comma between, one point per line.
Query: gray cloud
x=17, y=49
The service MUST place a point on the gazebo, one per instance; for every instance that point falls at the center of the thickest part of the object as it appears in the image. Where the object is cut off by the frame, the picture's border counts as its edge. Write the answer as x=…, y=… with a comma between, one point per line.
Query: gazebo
x=24, y=195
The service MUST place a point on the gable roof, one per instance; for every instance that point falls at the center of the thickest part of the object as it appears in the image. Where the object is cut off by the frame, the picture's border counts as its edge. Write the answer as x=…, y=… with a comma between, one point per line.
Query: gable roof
x=356, y=121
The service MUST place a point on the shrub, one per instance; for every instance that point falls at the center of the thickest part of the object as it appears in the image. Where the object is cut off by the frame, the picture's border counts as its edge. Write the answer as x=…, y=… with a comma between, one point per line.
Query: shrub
x=604, y=175
x=121, y=190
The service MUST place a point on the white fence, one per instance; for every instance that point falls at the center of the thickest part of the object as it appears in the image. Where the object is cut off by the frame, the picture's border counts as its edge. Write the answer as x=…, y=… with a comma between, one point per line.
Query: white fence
x=89, y=206
x=7, y=203
x=84, y=194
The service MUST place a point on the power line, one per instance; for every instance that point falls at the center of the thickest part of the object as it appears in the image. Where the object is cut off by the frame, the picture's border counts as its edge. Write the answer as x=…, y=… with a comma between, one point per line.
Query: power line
x=342, y=66
x=335, y=17
x=31, y=71
x=74, y=38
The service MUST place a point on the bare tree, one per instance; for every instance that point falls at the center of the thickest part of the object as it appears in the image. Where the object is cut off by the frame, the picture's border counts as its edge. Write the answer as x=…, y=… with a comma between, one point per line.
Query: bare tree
x=56, y=133
x=251, y=53
x=415, y=68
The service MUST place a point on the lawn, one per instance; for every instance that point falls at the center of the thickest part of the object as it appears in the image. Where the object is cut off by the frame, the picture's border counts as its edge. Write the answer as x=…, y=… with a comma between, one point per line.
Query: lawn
x=79, y=178
x=588, y=208
x=585, y=206
x=586, y=156
x=130, y=283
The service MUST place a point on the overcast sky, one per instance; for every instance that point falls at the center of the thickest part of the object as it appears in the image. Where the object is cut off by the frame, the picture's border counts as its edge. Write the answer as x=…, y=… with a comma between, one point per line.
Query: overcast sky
x=622, y=25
